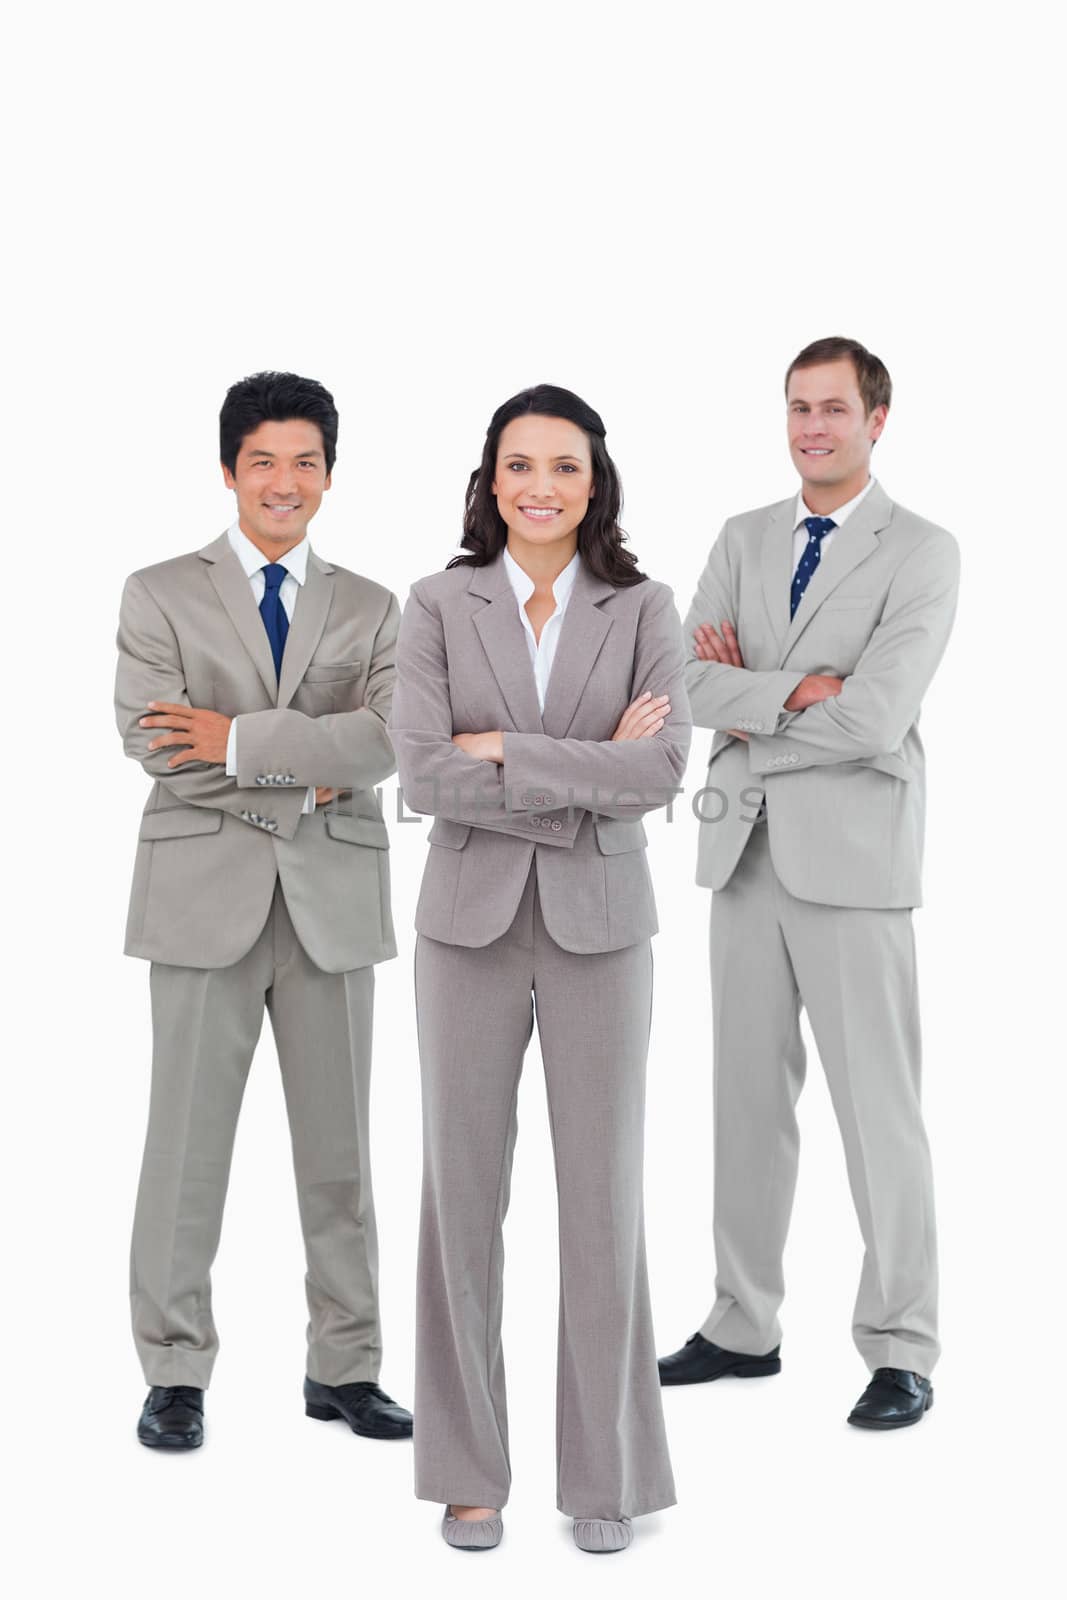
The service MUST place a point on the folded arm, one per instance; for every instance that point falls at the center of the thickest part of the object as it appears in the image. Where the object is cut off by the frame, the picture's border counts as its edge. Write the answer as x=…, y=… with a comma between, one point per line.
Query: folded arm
x=343, y=749
x=721, y=695
x=437, y=777
x=616, y=777
x=150, y=668
x=881, y=698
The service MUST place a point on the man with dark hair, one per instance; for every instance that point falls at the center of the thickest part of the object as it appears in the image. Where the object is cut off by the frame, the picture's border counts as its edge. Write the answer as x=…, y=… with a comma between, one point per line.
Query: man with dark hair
x=817, y=627
x=254, y=683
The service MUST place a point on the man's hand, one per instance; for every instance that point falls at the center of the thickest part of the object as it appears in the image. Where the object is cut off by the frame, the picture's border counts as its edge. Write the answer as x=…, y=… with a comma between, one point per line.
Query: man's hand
x=643, y=718
x=810, y=690
x=482, y=746
x=324, y=796
x=709, y=646
x=204, y=733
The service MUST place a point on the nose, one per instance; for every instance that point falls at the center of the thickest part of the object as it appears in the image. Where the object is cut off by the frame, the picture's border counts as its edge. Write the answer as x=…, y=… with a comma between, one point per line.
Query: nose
x=283, y=482
x=545, y=484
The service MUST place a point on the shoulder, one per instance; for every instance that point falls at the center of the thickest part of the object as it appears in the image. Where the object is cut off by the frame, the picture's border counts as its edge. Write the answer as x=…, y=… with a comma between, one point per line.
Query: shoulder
x=439, y=588
x=646, y=600
x=163, y=576
x=356, y=590
x=921, y=541
x=750, y=524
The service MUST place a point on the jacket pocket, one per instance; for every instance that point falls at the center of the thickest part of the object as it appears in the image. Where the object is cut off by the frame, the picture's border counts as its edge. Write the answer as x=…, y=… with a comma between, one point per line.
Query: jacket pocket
x=332, y=671
x=357, y=830
x=453, y=835
x=846, y=602
x=895, y=766
x=615, y=836
x=179, y=822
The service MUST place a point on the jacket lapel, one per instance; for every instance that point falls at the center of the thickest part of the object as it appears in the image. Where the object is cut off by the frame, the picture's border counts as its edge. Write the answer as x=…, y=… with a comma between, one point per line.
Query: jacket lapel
x=504, y=640
x=776, y=567
x=852, y=544
x=581, y=638
x=309, y=619
x=234, y=590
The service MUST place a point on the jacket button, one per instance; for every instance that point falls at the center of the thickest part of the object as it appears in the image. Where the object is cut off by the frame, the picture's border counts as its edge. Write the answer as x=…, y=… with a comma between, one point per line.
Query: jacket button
x=557, y=827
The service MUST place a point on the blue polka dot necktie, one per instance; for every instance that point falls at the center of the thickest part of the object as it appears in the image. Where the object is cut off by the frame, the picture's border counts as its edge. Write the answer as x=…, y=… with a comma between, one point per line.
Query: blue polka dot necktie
x=818, y=528
x=273, y=612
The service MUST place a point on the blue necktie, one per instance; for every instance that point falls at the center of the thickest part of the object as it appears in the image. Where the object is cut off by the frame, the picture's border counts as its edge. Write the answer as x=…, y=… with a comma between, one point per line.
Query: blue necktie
x=273, y=612
x=818, y=528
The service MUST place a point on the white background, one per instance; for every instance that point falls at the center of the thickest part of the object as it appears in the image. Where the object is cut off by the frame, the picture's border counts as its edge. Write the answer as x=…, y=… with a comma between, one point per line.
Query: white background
x=429, y=207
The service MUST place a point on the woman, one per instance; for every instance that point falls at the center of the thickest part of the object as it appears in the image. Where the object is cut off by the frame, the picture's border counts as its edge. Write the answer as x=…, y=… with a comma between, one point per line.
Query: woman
x=539, y=712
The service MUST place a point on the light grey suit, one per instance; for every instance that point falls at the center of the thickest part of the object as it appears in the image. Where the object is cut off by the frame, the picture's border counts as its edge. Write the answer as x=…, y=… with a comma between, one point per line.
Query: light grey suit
x=812, y=902
x=529, y=903
x=240, y=901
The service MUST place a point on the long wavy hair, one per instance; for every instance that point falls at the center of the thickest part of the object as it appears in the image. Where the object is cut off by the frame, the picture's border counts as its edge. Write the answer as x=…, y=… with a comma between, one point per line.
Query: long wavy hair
x=600, y=538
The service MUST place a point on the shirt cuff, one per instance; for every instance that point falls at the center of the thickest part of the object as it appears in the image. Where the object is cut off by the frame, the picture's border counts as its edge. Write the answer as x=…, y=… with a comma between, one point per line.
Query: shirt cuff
x=309, y=802
x=231, y=749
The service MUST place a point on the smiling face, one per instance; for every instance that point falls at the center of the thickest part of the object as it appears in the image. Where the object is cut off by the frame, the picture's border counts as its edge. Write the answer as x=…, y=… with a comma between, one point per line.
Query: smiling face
x=543, y=481
x=279, y=479
x=830, y=433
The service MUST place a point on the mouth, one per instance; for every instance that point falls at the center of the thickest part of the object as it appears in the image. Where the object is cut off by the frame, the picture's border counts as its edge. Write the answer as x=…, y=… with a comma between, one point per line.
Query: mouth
x=812, y=452
x=541, y=513
x=279, y=510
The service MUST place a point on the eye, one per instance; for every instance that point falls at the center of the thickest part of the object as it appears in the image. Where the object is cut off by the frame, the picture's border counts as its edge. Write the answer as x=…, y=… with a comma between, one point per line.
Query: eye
x=567, y=466
x=516, y=466
x=309, y=464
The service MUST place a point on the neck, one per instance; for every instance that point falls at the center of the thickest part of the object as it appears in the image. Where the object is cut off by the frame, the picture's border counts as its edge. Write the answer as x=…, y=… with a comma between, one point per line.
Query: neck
x=542, y=563
x=824, y=499
x=273, y=549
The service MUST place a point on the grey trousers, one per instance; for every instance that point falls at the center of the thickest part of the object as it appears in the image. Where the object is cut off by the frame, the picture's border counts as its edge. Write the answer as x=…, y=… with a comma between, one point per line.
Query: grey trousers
x=475, y=1011
x=853, y=970
x=205, y=1023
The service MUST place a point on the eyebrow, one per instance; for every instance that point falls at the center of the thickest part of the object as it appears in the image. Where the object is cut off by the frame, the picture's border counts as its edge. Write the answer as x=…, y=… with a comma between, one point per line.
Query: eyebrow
x=833, y=400
x=518, y=455
x=299, y=455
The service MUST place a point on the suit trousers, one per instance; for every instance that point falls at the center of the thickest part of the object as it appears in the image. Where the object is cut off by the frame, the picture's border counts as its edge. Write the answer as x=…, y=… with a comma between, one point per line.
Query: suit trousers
x=206, y=1023
x=476, y=1009
x=853, y=971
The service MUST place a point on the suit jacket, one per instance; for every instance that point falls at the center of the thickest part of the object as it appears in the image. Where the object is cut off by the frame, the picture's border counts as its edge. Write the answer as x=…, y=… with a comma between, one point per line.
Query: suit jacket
x=844, y=780
x=212, y=847
x=565, y=792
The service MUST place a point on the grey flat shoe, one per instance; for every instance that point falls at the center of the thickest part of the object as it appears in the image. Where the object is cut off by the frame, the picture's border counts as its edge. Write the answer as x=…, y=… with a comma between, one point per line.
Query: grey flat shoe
x=602, y=1537
x=483, y=1535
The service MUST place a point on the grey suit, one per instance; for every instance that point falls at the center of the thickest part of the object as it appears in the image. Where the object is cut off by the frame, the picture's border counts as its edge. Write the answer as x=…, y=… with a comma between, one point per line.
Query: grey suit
x=531, y=906
x=240, y=902
x=813, y=898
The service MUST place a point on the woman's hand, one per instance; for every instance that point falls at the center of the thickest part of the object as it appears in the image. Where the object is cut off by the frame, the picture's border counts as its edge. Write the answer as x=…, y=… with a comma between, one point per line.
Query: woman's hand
x=642, y=719
x=482, y=746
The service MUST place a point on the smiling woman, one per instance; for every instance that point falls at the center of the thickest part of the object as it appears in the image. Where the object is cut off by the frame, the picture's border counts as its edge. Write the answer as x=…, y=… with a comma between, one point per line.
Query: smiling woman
x=539, y=713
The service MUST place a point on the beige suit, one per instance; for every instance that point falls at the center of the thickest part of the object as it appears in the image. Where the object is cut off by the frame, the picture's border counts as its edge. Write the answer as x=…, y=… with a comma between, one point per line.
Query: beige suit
x=531, y=906
x=242, y=902
x=813, y=898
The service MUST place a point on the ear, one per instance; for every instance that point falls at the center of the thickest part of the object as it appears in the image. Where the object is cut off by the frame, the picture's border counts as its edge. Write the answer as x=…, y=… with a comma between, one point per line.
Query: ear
x=876, y=422
x=329, y=480
x=227, y=476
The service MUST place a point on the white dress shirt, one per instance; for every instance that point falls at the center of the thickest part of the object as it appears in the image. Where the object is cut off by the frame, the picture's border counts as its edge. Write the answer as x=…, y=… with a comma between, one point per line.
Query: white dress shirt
x=840, y=516
x=295, y=562
x=543, y=651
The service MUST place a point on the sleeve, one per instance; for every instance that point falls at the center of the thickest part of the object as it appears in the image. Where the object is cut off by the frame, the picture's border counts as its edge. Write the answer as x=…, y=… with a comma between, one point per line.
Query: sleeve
x=437, y=778
x=722, y=696
x=150, y=668
x=880, y=700
x=342, y=750
x=627, y=777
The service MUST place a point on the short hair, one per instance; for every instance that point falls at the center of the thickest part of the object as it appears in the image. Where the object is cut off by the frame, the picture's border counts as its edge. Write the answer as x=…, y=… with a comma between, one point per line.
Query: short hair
x=275, y=397
x=875, y=384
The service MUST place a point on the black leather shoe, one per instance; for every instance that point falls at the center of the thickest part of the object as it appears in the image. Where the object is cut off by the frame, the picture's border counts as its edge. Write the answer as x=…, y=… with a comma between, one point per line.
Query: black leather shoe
x=700, y=1361
x=893, y=1399
x=172, y=1418
x=366, y=1409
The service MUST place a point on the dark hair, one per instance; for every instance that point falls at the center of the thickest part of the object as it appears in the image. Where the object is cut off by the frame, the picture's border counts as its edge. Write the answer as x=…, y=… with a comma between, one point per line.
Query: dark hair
x=875, y=385
x=275, y=397
x=600, y=538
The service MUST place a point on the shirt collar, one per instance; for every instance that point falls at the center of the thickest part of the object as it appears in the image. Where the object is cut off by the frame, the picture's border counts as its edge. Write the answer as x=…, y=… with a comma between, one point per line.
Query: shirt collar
x=840, y=516
x=295, y=561
x=523, y=585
